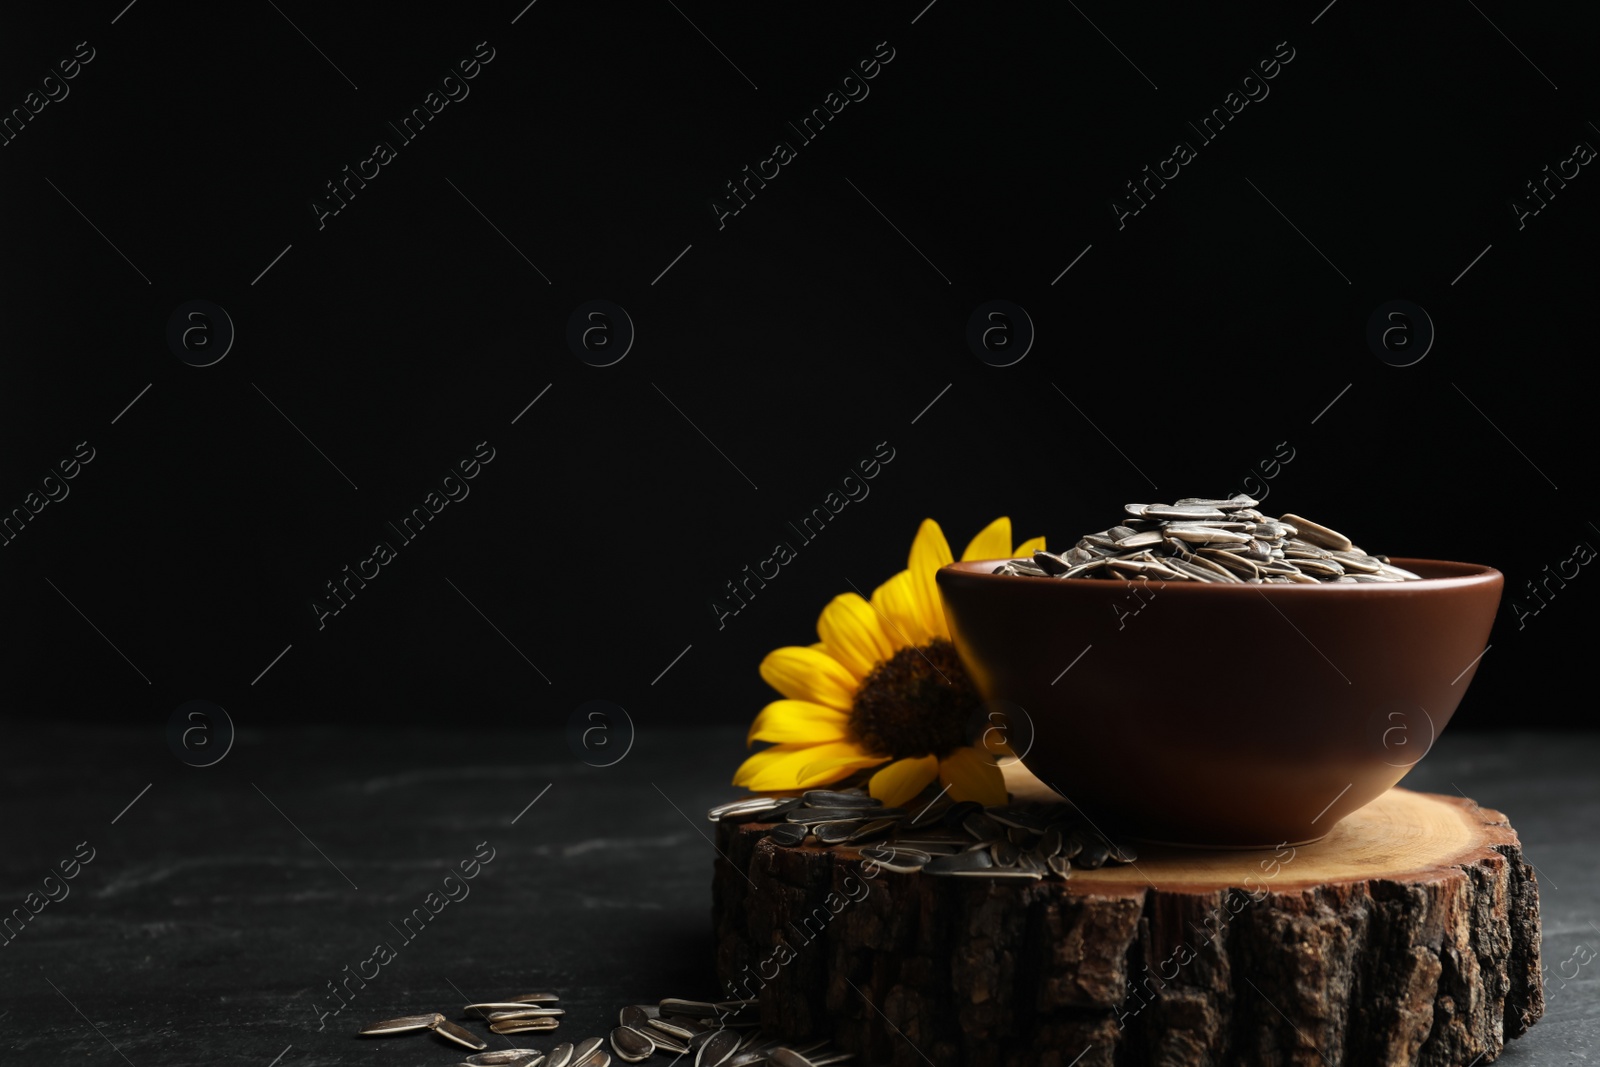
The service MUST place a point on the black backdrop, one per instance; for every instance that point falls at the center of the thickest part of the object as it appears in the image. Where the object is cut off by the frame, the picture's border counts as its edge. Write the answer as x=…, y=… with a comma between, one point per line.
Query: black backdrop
x=1220, y=327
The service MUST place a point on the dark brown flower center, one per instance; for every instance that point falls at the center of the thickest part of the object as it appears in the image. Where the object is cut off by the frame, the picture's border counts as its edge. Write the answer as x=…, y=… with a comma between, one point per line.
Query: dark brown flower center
x=916, y=702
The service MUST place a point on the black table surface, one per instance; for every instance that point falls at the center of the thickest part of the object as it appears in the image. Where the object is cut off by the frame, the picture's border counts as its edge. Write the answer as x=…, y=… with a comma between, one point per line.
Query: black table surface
x=223, y=905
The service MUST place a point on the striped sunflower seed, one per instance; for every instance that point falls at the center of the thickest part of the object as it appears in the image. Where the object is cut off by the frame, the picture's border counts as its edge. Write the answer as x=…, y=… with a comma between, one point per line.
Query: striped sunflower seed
x=506, y=1057
x=718, y=1049
x=404, y=1024
x=834, y=798
x=459, y=1034
x=524, y=1026
x=631, y=1046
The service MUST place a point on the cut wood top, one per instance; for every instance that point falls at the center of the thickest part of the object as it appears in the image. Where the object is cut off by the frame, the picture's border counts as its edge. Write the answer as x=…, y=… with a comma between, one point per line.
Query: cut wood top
x=1401, y=836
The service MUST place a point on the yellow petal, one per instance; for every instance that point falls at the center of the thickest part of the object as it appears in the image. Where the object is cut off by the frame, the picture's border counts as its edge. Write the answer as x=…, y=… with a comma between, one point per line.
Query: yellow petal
x=809, y=674
x=1029, y=547
x=929, y=552
x=762, y=760
x=853, y=634
x=804, y=766
x=903, y=779
x=992, y=542
x=895, y=602
x=972, y=775
x=798, y=722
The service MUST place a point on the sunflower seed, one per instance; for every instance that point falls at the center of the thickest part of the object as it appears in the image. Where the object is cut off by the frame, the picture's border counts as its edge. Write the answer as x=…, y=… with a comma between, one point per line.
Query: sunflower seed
x=957, y=813
x=875, y=828
x=1139, y=539
x=1206, y=535
x=1050, y=563
x=899, y=860
x=750, y=1056
x=1355, y=562
x=1235, y=527
x=1050, y=843
x=506, y=1057
x=459, y=1034
x=1094, y=855
x=1211, y=559
x=1187, y=511
x=1318, y=534
x=666, y=1026
x=524, y=1026
x=751, y=807
x=404, y=1024
x=1004, y=853
x=1027, y=861
x=525, y=1011
x=820, y=815
x=1238, y=501
x=560, y=1056
x=718, y=1048
x=631, y=1046
x=1059, y=866
x=834, y=833
x=787, y=833
x=838, y=798
x=637, y=1015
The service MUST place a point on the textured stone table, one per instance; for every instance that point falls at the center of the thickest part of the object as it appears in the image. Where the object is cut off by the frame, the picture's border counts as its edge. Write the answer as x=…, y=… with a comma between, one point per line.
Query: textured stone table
x=219, y=906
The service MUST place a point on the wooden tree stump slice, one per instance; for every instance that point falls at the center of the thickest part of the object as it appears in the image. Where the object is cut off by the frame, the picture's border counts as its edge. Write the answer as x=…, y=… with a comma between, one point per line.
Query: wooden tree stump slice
x=1408, y=935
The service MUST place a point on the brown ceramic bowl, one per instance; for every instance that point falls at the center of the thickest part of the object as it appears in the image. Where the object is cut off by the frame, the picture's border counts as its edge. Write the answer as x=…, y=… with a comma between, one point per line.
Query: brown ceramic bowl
x=1221, y=715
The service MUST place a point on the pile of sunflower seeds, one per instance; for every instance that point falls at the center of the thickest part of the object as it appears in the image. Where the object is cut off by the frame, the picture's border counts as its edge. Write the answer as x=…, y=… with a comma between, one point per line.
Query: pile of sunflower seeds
x=1203, y=540
x=711, y=1031
x=960, y=839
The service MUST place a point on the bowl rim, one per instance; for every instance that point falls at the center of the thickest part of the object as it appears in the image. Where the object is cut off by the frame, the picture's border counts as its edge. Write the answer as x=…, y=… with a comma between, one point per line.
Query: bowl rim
x=1471, y=574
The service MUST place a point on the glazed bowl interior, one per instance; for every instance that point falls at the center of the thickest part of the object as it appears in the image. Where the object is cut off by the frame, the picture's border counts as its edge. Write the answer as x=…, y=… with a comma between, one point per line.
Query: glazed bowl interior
x=1223, y=715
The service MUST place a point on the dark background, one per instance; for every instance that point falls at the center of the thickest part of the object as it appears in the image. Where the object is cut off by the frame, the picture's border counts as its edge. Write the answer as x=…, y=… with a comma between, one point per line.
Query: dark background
x=776, y=352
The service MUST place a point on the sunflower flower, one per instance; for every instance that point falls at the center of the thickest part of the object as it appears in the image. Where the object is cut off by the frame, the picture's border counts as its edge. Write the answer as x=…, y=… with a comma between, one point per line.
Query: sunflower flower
x=882, y=688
